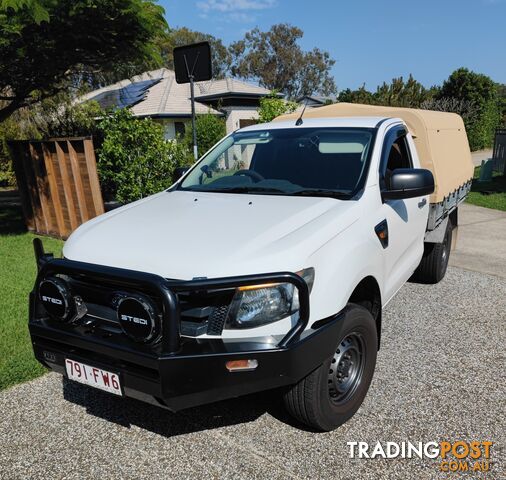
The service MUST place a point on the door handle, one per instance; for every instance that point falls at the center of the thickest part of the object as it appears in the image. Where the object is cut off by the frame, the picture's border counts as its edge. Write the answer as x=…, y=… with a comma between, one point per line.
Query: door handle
x=422, y=203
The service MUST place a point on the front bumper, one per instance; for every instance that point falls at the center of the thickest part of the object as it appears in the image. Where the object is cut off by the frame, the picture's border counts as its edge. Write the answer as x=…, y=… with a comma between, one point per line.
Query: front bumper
x=180, y=372
x=195, y=375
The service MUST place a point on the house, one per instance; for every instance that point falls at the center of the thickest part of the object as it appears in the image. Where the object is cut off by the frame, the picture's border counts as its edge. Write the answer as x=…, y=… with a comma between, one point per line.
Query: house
x=156, y=95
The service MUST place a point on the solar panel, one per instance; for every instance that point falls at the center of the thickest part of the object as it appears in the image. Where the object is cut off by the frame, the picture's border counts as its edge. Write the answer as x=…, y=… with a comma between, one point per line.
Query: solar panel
x=126, y=96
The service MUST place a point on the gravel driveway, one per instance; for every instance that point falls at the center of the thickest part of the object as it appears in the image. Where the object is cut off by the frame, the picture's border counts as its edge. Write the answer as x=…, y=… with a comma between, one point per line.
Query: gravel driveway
x=440, y=376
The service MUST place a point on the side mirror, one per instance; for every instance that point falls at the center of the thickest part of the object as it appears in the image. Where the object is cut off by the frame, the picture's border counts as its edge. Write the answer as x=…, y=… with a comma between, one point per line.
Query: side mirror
x=408, y=183
x=205, y=169
x=178, y=173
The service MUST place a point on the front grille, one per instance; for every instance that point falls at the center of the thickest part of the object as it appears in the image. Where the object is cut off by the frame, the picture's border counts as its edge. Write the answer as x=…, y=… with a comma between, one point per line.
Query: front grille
x=217, y=319
x=100, y=303
x=103, y=315
x=204, y=312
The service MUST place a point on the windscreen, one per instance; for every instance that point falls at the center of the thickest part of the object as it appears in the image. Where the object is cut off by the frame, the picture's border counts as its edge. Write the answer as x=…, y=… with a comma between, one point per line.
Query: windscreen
x=285, y=161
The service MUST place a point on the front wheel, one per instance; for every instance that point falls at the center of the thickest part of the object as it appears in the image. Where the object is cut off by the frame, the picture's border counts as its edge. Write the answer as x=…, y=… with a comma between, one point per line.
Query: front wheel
x=331, y=394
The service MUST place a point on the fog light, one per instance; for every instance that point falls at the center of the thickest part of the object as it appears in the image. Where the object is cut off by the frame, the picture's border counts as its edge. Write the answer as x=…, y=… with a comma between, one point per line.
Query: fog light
x=241, y=365
x=56, y=297
x=138, y=318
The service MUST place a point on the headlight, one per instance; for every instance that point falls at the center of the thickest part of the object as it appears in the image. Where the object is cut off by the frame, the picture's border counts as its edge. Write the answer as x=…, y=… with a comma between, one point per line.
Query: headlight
x=257, y=305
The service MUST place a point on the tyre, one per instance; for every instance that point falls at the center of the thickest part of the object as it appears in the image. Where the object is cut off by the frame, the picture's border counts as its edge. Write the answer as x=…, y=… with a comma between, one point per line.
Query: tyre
x=331, y=394
x=432, y=268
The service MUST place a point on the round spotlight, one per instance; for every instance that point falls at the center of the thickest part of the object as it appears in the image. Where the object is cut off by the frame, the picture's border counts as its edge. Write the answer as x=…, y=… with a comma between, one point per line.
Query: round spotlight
x=55, y=297
x=138, y=318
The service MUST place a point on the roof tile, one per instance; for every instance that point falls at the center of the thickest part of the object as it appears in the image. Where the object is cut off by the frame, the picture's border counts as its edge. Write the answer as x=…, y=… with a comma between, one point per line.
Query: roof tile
x=167, y=97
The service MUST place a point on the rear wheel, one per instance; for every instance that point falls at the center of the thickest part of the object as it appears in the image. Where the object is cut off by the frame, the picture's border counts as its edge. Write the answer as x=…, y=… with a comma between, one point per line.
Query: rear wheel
x=434, y=264
x=332, y=393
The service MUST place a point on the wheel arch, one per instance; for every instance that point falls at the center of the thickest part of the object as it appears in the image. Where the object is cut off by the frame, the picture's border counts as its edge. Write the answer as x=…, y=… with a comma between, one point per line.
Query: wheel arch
x=367, y=293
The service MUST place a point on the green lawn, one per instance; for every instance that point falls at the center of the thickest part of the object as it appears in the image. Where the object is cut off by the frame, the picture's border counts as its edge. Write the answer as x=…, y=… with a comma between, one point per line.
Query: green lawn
x=17, y=275
x=488, y=194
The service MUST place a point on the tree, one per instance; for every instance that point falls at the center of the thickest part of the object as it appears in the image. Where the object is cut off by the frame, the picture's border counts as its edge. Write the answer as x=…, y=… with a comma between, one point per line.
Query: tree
x=482, y=92
x=397, y=93
x=400, y=93
x=273, y=106
x=502, y=98
x=41, y=55
x=210, y=129
x=135, y=160
x=178, y=37
x=276, y=60
x=34, y=8
x=362, y=95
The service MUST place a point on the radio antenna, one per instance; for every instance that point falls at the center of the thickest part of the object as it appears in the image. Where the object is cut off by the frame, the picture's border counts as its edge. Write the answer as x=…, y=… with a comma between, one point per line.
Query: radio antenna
x=299, y=121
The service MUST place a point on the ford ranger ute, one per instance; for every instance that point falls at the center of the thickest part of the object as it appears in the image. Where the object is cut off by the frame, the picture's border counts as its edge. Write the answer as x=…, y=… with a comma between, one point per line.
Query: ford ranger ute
x=265, y=266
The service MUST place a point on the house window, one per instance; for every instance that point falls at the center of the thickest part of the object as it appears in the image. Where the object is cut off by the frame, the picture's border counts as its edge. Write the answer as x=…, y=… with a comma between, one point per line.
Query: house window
x=168, y=130
x=180, y=129
x=246, y=122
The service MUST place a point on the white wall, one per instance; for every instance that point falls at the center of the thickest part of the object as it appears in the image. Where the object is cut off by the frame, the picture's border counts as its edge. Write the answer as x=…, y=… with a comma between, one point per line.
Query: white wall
x=168, y=126
x=234, y=114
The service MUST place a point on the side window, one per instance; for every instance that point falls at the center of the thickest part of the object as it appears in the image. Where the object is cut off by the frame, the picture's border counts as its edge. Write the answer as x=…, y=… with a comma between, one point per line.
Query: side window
x=399, y=156
x=395, y=156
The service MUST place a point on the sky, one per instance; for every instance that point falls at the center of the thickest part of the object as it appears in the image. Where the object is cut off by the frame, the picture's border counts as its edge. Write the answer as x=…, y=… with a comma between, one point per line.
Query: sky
x=371, y=40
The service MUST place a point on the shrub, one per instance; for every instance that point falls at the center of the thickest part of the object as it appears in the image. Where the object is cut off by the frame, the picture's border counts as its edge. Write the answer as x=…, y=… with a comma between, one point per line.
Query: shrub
x=465, y=108
x=54, y=117
x=135, y=160
x=272, y=106
x=60, y=117
x=18, y=126
x=7, y=177
x=210, y=129
x=502, y=98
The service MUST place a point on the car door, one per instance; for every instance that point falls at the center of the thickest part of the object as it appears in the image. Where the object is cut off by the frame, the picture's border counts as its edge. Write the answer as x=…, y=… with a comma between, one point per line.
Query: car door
x=406, y=219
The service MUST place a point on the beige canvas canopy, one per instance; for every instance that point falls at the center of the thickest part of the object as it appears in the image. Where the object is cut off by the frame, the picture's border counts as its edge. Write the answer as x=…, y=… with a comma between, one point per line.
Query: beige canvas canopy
x=440, y=140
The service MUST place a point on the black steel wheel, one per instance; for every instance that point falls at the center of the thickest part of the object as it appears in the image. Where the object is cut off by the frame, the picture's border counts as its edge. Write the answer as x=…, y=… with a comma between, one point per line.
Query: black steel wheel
x=436, y=256
x=346, y=368
x=331, y=394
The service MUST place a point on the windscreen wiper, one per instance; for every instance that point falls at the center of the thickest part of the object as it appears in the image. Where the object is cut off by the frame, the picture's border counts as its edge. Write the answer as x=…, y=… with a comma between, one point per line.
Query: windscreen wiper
x=245, y=189
x=321, y=192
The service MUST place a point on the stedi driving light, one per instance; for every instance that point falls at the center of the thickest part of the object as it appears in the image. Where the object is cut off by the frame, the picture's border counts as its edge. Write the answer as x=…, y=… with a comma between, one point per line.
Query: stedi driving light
x=256, y=305
x=55, y=296
x=138, y=318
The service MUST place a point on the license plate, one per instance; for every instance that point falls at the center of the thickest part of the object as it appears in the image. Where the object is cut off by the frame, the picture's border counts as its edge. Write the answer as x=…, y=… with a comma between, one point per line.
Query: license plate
x=93, y=376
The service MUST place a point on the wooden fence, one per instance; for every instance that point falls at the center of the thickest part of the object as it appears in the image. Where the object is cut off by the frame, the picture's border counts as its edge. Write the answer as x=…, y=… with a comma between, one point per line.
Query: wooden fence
x=58, y=183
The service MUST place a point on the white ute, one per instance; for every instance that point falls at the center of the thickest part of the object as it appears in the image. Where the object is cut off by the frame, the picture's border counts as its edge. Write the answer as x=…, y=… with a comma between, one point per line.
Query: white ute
x=266, y=265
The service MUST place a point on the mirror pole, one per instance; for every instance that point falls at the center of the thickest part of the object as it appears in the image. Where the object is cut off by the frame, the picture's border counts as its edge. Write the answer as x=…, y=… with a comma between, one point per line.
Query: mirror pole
x=192, y=90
